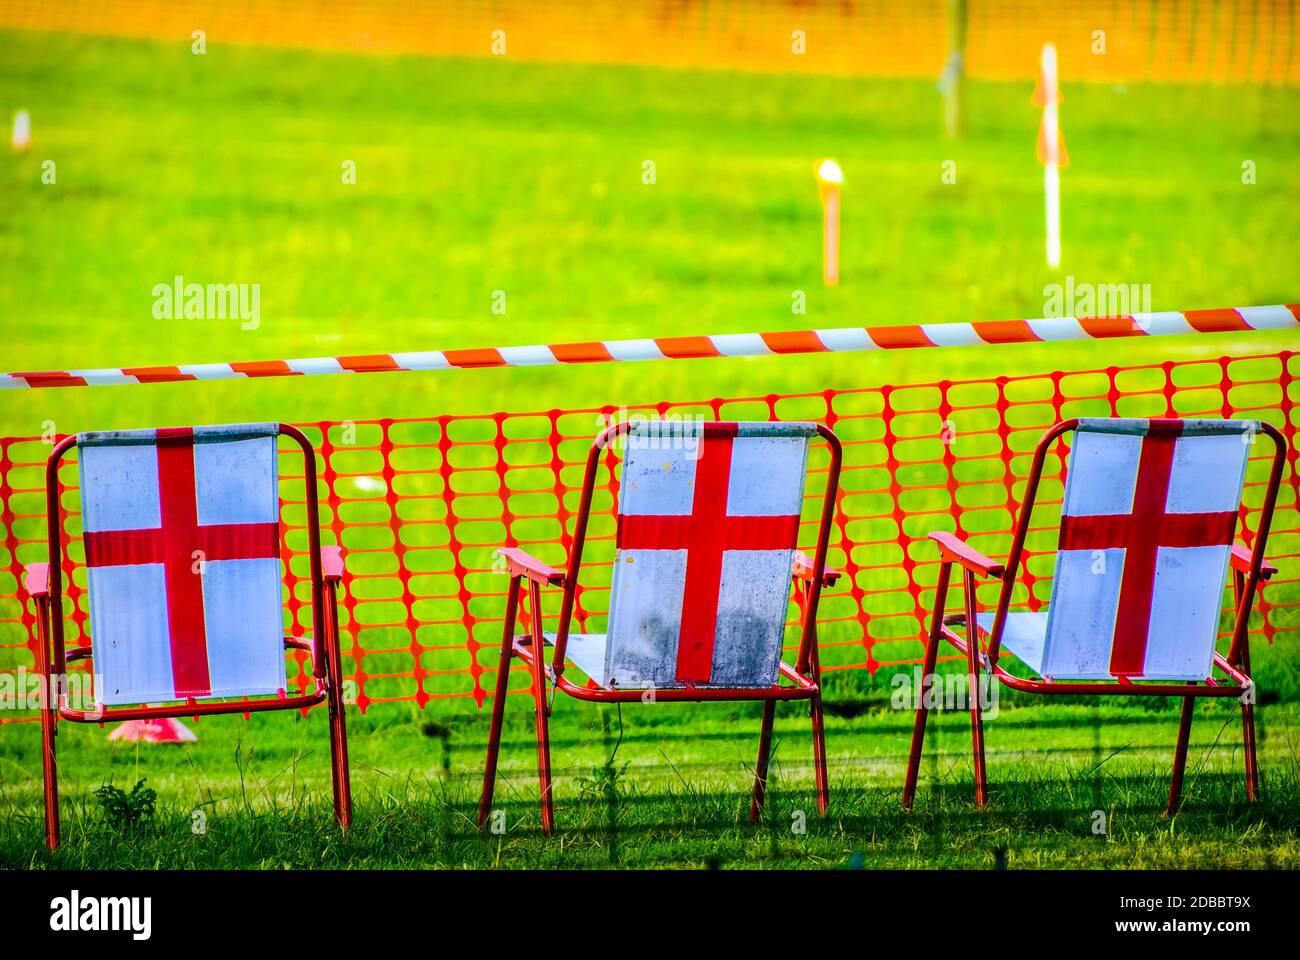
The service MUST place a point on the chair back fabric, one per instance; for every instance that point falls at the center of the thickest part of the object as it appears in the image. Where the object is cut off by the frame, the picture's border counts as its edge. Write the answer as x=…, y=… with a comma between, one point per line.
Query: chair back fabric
x=1148, y=520
x=182, y=538
x=707, y=529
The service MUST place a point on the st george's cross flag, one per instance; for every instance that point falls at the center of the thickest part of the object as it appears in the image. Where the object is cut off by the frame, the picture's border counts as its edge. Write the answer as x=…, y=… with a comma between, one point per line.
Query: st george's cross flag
x=1148, y=520
x=181, y=530
x=707, y=527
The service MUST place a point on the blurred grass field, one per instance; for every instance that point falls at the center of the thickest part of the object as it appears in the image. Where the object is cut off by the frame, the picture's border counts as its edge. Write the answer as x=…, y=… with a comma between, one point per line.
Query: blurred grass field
x=475, y=176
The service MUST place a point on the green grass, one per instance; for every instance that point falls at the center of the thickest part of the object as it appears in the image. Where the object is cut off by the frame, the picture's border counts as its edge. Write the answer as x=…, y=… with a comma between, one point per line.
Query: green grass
x=477, y=176
x=677, y=792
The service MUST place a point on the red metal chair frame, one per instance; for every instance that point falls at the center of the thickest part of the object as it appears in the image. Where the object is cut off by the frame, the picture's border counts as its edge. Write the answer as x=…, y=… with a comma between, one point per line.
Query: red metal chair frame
x=804, y=676
x=1248, y=569
x=44, y=584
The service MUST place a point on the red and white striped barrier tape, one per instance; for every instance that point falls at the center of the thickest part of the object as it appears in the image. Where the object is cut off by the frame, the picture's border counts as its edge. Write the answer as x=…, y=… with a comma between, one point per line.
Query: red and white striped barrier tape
x=838, y=340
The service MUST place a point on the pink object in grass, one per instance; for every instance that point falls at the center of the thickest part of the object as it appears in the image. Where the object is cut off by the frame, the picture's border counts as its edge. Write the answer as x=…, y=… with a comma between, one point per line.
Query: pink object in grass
x=165, y=730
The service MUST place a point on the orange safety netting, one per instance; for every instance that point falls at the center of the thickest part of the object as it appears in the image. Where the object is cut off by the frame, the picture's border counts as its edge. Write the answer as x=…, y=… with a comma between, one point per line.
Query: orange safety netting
x=420, y=506
x=1166, y=41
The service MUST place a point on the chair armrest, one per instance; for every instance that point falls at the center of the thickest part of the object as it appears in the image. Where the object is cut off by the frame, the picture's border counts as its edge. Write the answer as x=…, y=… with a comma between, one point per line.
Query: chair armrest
x=954, y=549
x=1241, y=561
x=803, y=570
x=331, y=561
x=36, y=579
x=520, y=563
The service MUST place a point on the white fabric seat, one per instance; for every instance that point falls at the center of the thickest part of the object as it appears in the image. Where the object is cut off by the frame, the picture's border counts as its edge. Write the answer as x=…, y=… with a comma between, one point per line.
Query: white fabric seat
x=586, y=651
x=1024, y=635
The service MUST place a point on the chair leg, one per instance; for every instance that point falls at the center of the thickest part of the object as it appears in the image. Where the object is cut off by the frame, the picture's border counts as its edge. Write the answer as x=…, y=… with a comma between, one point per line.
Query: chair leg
x=338, y=728
x=543, y=751
x=49, y=728
x=918, y=727
x=1252, y=761
x=1248, y=731
x=499, y=705
x=339, y=755
x=976, y=710
x=819, y=755
x=1180, y=756
x=977, y=743
x=494, y=735
x=50, y=770
x=543, y=710
x=760, y=765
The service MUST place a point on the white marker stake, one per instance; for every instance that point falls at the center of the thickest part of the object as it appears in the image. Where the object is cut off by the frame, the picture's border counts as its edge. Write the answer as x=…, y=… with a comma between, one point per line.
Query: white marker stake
x=1052, y=190
x=22, y=135
x=829, y=178
x=1050, y=151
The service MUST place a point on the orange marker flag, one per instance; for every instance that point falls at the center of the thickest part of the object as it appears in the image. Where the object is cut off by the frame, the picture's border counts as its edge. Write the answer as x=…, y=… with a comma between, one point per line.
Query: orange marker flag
x=1040, y=99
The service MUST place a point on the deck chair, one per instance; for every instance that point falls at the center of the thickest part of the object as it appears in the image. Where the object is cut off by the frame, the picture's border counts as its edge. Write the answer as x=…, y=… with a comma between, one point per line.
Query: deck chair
x=182, y=544
x=1146, y=541
x=708, y=518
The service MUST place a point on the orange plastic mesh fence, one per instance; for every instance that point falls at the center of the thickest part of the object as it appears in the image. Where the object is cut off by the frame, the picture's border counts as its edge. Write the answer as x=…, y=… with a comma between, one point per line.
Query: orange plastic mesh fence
x=421, y=505
x=1167, y=41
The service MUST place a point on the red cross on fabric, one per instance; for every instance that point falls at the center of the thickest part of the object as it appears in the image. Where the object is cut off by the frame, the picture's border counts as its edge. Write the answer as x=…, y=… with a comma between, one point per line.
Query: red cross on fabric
x=704, y=534
x=1141, y=534
x=174, y=544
